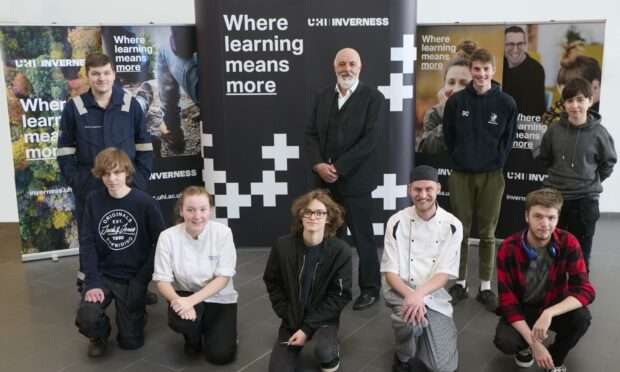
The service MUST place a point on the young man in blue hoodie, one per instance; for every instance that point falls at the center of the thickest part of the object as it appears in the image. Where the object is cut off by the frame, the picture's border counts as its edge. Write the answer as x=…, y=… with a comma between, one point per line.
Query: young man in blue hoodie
x=480, y=123
x=580, y=155
x=117, y=247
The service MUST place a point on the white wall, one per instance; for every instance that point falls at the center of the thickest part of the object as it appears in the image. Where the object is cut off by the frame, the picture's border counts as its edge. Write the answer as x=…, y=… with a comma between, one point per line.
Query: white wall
x=81, y=12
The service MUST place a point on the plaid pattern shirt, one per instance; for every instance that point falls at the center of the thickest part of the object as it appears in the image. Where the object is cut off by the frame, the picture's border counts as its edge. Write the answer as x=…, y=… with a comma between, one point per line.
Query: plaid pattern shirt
x=567, y=275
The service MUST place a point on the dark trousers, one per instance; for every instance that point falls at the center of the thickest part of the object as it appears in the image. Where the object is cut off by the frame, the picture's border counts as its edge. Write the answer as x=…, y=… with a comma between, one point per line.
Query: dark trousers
x=284, y=358
x=93, y=322
x=215, y=324
x=358, y=217
x=568, y=327
x=579, y=217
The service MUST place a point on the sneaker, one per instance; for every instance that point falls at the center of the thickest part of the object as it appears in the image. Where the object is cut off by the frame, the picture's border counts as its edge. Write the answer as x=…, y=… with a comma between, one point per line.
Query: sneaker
x=97, y=347
x=151, y=298
x=561, y=368
x=524, y=358
x=400, y=366
x=331, y=366
x=458, y=293
x=488, y=299
x=173, y=137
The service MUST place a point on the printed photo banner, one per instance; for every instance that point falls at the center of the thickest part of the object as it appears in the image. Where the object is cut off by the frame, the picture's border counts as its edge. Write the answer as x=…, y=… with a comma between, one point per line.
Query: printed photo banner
x=262, y=63
x=527, y=65
x=43, y=69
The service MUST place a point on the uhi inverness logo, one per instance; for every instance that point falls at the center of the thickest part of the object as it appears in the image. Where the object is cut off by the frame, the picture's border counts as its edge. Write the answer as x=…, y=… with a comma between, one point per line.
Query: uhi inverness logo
x=118, y=229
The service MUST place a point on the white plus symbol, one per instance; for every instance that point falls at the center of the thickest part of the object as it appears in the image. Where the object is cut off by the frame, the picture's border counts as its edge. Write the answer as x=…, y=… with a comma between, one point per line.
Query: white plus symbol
x=269, y=188
x=390, y=191
x=211, y=176
x=396, y=92
x=280, y=152
x=232, y=200
x=407, y=53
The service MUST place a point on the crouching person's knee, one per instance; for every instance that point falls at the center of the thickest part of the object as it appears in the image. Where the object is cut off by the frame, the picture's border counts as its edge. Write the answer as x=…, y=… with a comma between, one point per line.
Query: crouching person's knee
x=92, y=321
x=221, y=355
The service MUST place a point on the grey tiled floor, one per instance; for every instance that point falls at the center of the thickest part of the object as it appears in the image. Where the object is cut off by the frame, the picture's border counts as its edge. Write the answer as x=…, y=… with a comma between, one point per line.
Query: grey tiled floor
x=38, y=301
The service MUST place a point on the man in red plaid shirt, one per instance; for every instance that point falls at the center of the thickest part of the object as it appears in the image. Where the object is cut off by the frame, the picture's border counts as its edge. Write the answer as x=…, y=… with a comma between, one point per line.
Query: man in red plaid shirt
x=543, y=285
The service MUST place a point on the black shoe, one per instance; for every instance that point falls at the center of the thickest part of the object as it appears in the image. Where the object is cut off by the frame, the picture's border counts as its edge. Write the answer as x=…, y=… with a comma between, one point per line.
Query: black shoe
x=192, y=346
x=151, y=298
x=97, y=347
x=400, y=366
x=331, y=366
x=175, y=138
x=458, y=293
x=364, y=301
x=192, y=349
x=524, y=358
x=488, y=299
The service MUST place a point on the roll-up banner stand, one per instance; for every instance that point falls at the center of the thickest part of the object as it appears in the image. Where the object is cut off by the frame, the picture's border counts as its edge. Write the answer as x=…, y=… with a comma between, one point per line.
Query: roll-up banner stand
x=43, y=68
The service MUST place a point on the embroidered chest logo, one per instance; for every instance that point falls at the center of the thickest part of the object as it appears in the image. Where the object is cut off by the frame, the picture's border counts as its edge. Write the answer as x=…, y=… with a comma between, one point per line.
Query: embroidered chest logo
x=118, y=229
x=465, y=113
x=493, y=119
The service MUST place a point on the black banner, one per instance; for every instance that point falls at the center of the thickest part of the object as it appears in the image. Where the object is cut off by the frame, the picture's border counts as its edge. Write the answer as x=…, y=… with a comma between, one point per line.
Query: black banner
x=261, y=63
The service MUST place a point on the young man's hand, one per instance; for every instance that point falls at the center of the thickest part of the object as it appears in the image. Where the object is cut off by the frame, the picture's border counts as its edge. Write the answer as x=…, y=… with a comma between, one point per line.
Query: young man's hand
x=540, y=328
x=298, y=338
x=94, y=295
x=414, y=308
x=541, y=355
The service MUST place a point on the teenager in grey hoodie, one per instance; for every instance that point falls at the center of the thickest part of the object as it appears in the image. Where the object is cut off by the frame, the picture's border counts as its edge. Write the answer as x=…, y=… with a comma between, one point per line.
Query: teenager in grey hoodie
x=579, y=154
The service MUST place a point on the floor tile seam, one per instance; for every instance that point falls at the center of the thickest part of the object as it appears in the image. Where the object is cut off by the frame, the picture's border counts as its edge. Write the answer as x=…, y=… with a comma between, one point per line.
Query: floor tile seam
x=491, y=359
x=481, y=313
x=41, y=351
x=253, y=279
x=352, y=315
x=477, y=331
x=369, y=320
x=254, y=361
x=251, y=302
x=69, y=366
x=147, y=361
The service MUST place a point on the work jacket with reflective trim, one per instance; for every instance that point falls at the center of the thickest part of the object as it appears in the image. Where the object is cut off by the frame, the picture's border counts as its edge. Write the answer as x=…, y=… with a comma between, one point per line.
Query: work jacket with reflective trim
x=86, y=129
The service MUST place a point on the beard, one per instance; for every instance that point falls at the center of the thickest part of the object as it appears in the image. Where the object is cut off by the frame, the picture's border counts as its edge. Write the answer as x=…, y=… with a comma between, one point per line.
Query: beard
x=346, y=82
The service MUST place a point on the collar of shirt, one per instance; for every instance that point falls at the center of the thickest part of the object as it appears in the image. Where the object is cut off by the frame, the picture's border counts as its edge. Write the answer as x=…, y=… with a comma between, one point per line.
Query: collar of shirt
x=342, y=99
x=415, y=216
x=201, y=236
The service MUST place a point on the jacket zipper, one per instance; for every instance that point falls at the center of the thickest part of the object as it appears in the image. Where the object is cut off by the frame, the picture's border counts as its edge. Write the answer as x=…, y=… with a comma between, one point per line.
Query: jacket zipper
x=340, y=282
x=316, y=267
x=301, y=272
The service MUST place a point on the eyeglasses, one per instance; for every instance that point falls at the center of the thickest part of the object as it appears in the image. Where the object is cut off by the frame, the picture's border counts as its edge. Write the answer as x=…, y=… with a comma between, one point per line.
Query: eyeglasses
x=520, y=44
x=318, y=214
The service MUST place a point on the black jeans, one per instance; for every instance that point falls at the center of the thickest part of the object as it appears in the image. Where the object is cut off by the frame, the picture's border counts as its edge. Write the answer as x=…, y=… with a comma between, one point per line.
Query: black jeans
x=568, y=327
x=215, y=324
x=284, y=358
x=579, y=217
x=93, y=322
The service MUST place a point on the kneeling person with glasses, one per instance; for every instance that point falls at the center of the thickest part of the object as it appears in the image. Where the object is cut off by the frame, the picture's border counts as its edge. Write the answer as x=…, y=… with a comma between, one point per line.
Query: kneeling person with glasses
x=308, y=277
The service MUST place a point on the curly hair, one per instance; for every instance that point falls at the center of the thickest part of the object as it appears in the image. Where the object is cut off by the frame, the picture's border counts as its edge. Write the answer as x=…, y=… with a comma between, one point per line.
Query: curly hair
x=335, y=212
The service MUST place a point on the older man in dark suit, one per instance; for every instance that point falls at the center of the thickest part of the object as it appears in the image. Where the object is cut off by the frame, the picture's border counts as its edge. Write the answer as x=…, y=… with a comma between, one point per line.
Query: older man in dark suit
x=341, y=141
